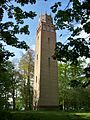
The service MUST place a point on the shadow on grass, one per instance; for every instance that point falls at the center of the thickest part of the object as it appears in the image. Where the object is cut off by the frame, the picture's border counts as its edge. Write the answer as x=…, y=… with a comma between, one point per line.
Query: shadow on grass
x=43, y=115
x=47, y=115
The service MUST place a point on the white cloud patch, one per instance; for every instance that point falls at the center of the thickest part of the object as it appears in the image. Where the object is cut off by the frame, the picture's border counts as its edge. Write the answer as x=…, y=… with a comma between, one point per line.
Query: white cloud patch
x=84, y=35
x=32, y=47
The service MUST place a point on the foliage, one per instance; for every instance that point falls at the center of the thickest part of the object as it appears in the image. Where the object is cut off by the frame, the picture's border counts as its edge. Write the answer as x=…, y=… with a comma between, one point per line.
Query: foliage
x=26, y=66
x=9, y=83
x=73, y=87
x=87, y=71
x=5, y=83
x=74, y=18
x=10, y=28
x=4, y=55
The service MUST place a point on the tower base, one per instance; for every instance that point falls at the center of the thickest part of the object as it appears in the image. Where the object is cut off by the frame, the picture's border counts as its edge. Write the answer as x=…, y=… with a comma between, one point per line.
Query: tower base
x=51, y=108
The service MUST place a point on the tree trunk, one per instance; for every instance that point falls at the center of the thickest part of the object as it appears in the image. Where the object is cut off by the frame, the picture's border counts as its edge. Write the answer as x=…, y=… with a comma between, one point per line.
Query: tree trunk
x=13, y=97
x=63, y=105
x=29, y=93
x=25, y=97
x=6, y=101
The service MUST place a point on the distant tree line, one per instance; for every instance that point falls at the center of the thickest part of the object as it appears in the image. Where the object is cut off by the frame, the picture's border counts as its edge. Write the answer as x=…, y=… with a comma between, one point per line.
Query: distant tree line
x=16, y=83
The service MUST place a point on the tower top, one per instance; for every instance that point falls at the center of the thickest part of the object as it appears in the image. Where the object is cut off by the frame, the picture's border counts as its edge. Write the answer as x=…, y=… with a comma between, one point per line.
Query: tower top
x=46, y=19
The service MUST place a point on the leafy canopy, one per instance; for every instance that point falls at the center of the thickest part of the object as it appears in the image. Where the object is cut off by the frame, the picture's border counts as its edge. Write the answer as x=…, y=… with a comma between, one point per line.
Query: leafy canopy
x=75, y=17
x=9, y=29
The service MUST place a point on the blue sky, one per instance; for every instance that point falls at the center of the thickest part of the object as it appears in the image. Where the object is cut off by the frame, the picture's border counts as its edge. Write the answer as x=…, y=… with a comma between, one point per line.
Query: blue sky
x=41, y=7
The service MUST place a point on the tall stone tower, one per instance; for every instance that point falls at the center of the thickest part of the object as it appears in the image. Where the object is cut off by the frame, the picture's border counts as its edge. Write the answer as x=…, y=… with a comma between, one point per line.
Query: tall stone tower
x=45, y=71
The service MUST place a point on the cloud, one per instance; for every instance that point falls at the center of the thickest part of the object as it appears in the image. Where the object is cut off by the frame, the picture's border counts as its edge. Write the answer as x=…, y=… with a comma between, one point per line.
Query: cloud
x=32, y=47
x=84, y=35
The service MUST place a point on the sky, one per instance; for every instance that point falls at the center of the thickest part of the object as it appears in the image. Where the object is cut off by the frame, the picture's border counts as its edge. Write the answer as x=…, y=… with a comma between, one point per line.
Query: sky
x=41, y=7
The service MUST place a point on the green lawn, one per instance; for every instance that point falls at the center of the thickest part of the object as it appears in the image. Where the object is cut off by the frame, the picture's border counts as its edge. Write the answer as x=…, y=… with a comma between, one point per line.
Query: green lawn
x=44, y=115
x=47, y=115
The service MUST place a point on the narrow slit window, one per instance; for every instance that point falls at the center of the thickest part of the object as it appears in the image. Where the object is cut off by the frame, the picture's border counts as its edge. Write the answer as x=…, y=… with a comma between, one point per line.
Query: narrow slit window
x=38, y=38
x=37, y=56
x=48, y=28
x=49, y=61
x=49, y=43
x=48, y=40
x=44, y=27
x=36, y=79
x=52, y=29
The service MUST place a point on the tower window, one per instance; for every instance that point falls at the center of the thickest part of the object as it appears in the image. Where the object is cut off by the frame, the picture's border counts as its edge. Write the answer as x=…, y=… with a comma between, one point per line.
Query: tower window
x=37, y=56
x=52, y=29
x=48, y=39
x=44, y=27
x=49, y=43
x=36, y=79
x=48, y=28
x=49, y=61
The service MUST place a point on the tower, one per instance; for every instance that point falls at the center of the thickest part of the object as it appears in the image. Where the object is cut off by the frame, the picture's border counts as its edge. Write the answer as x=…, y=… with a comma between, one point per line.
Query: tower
x=45, y=71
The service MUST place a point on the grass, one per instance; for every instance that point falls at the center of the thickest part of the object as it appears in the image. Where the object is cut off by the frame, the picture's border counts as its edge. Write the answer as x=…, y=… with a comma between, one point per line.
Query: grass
x=47, y=115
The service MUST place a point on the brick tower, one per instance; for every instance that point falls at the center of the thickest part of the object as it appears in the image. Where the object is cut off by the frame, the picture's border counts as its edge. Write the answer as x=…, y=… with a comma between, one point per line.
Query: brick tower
x=45, y=71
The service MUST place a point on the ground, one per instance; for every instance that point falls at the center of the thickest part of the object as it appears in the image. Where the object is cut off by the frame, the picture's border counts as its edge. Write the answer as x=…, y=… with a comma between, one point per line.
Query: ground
x=54, y=115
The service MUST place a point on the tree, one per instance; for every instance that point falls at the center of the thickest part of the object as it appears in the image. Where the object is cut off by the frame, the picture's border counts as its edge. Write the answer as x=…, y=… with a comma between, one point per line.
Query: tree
x=72, y=93
x=5, y=84
x=63, y=81
x=87, y=71
x=26, y=66
x=16, y=80
x=10, y=79
x=74, y=18
x=9, y=29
